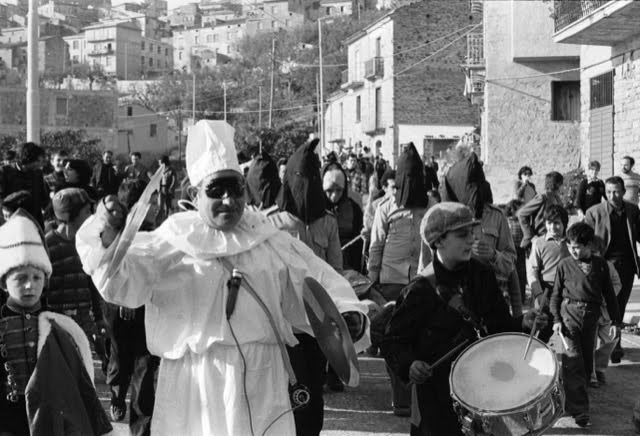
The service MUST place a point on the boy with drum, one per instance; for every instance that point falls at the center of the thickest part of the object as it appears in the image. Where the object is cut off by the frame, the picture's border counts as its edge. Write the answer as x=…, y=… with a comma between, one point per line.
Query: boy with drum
x=582, y=285
x=454, y=301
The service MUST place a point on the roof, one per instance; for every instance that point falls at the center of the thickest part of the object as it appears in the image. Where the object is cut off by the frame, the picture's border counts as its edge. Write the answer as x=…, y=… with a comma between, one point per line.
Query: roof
x=360, y=33
x=114, y=23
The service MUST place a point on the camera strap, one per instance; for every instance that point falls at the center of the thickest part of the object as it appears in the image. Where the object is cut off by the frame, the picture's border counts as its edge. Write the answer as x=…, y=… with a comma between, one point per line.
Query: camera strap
x=283, y=349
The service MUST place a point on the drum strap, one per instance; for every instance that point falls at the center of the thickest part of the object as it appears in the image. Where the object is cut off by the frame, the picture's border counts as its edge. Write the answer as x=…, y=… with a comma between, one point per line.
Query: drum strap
x=454, y=299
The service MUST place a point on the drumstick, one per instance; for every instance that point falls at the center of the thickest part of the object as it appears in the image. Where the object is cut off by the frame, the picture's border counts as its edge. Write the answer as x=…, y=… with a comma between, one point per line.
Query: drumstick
x=447, y=356
x=351, y=242
x=564, y=341
x=531, y=334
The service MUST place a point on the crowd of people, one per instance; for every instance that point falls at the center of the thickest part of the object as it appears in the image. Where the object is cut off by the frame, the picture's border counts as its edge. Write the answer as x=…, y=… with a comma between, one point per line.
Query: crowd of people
x=442, y=265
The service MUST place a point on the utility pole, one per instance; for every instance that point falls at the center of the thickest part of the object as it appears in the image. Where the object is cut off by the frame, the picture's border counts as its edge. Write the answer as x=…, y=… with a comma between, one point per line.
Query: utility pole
x=321, y=85
x=318, y=102
x=273, y=71
x=260, y=106
x=33, y=91
x=224, y=87
x=125, y=60
x=193, y=99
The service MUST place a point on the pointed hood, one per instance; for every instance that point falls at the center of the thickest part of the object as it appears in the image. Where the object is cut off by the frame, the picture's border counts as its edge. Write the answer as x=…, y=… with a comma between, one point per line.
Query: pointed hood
x=263, y=181
x=301, y=194
x=410, y=183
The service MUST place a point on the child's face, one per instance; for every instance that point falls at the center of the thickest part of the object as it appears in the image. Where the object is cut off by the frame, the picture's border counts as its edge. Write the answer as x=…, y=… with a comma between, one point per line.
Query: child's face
x=24, y=285
x=579, y=251
x=555, y=228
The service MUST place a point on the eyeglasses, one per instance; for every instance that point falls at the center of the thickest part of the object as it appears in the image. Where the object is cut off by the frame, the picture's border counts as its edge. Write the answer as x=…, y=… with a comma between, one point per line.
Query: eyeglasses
x=218, y=188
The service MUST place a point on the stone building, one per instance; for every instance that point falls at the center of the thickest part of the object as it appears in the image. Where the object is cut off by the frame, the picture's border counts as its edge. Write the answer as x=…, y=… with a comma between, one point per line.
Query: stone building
x=397, y=89
x=140, y=129
x=608, y=33
x=53, y=56
x=531, y=110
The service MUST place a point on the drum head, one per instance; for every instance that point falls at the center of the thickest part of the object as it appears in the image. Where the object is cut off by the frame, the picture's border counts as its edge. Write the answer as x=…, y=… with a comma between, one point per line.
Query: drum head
x=492, y=376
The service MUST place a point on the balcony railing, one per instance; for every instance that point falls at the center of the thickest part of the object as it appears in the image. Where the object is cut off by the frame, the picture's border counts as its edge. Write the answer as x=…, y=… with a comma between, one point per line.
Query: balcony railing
x=567, y=12
x=374, y=68
x=101, y=52
x=475, y=50
x=346, y=83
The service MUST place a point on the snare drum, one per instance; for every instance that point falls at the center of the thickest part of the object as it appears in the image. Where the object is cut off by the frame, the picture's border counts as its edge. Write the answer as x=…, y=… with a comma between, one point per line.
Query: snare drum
x=497, y=392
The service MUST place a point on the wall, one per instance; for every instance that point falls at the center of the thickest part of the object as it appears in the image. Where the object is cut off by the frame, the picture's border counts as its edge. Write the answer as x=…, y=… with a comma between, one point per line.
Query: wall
x=517, y=128
x=134, y=131
x=431, y=92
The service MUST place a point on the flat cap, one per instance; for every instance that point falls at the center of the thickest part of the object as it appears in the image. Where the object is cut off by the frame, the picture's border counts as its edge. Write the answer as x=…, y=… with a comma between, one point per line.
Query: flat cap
x=445, y=217
x=68, y=199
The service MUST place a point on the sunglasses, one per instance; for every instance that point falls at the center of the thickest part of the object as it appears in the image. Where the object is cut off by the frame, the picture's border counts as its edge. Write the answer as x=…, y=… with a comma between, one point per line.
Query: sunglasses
x=217, y=189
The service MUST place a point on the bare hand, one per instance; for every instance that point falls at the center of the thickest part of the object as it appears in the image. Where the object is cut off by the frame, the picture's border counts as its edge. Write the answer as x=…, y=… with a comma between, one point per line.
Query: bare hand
x=127, y=314
x=113, y=214
x=613, y=332
x=483, y=250
x=419, y=372
x=557, y=328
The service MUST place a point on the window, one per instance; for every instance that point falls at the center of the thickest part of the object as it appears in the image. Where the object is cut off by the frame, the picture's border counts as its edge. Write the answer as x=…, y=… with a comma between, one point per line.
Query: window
x=358, y=108
x=129, y=111
x=180, y=55
x=378, y=108
x=601, y=88
x=197, y=39
x=216, y=38
x=75, y=59
x=166, y=52
x=151, y=62
x=75, y=44
x=209, y=38
x=159, y=50
x=565, y=101
x=328, y=11
x=142, y=61
x=260, y=25
x=274, y=25
x=228, y=36
x=378, y=46
x=287, y=23
x=142, y=45
x=107, y=61
x=153, y=130
x=342, y=9
x=61, y=106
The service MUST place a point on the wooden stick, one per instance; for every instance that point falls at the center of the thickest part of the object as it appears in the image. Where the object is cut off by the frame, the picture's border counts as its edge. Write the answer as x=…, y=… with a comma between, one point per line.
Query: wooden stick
x=533, y=331
x=351, y=242
x=447, y=356
x=564, y=341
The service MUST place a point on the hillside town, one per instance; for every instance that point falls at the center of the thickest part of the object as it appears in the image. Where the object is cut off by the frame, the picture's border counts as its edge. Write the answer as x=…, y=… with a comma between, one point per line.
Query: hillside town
x=319, y=217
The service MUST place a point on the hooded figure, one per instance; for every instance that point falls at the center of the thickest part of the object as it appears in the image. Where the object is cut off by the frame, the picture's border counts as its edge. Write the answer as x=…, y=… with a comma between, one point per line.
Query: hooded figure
x=301, y=193
x=411, y=190
x=465, y=182
x=346, y=210
x=302, y=214
x=218, y=353
x=263, y=181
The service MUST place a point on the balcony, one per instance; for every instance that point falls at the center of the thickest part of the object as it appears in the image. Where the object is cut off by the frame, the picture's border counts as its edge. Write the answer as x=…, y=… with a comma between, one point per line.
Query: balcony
x=475, y=51
x=374, y=68
x=349, y=84
x=100, y=52
x=595, y=22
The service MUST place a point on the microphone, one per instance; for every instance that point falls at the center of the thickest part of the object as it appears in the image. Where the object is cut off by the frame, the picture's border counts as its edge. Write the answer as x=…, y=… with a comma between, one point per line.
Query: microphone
x=233, y=285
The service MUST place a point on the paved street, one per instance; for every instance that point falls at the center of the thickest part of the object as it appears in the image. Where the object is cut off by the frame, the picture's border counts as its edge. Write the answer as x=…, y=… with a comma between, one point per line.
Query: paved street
x=366, y=410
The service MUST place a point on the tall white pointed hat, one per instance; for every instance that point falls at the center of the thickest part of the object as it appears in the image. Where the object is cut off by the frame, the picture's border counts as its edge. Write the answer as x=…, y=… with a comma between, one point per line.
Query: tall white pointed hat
x=210, y=148
x=22, y=243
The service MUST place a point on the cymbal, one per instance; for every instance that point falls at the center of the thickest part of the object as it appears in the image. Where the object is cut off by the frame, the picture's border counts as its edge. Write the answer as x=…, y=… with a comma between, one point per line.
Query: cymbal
x=134, y=221
x=331, y=332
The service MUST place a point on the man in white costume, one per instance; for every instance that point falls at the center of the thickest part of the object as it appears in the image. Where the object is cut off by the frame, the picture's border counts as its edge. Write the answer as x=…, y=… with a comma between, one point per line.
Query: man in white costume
x=219, y=376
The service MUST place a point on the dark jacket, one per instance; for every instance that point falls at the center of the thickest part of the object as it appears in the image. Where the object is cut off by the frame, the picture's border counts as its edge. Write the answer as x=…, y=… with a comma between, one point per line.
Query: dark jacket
x=590, y=194
x=425, y=327
x=13, y=179
x=350, y=223
x=598, y=217
x=61, y=399
x=105, y=179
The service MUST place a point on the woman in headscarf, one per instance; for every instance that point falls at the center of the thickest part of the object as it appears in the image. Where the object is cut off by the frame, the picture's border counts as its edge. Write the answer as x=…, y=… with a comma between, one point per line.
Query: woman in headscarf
x=301, y=211
x=395, y=248
x=263, y=182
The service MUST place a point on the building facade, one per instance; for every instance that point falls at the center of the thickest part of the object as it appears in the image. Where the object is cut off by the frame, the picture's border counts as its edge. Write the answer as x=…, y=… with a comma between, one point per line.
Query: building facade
x=53, y=56
x=120, y=50
x=140, y=129
x=608, y=34
x=531, y=109
x=394, y=91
